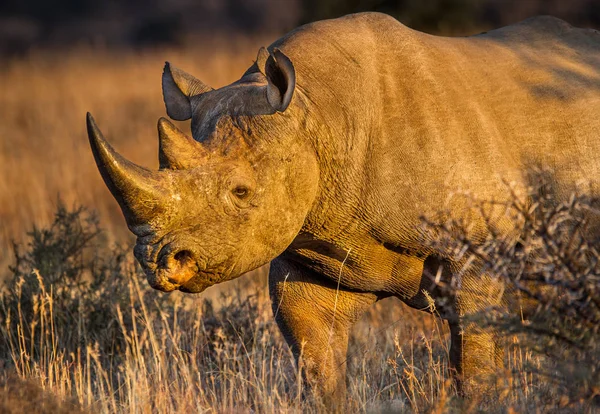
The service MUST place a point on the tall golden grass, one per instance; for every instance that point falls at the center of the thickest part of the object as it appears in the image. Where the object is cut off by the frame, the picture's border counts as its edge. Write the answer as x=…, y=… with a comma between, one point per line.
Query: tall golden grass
x=80, y=329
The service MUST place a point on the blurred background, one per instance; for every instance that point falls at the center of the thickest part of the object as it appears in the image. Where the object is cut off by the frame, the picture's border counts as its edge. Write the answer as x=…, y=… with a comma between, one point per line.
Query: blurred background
x=60, y=59
x=139, y=23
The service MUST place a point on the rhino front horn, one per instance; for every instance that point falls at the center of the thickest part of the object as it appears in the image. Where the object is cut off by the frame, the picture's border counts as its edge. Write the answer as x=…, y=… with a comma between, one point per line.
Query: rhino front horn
x=138, y=190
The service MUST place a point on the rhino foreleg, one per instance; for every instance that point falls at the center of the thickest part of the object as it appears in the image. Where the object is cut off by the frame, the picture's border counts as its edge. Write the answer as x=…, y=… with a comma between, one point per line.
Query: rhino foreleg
x=315, y=317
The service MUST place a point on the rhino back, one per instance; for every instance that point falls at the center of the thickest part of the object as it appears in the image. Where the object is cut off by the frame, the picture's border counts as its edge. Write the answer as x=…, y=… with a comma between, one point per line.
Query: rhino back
x=408, y=118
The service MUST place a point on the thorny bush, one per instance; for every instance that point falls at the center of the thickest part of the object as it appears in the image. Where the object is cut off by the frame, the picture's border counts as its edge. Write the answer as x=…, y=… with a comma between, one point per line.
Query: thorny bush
x=550, y=268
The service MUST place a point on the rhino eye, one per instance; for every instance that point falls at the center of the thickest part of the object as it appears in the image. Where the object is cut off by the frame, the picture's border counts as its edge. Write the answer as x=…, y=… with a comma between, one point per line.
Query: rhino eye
x=241, y=191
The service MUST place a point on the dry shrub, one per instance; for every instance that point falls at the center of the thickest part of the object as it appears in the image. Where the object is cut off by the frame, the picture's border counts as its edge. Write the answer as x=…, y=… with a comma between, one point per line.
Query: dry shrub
x=26, y=396
x=551, y=272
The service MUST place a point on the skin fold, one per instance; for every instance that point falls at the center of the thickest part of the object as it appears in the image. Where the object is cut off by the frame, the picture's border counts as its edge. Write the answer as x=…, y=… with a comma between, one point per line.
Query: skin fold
x=324, y=157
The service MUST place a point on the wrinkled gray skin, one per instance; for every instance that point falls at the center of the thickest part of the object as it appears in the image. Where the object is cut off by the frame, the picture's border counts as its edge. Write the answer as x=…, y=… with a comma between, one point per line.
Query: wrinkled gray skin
x=324, y=156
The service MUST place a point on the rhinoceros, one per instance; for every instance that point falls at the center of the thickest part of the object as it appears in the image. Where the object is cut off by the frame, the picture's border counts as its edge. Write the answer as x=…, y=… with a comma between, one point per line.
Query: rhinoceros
x=328, y=152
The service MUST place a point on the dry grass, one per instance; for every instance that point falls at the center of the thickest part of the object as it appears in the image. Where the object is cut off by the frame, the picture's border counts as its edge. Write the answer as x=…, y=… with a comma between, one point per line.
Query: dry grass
x=79, y=322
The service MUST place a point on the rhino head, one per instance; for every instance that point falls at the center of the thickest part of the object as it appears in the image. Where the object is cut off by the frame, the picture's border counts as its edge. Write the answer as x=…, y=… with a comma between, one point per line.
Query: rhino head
x=231, y=198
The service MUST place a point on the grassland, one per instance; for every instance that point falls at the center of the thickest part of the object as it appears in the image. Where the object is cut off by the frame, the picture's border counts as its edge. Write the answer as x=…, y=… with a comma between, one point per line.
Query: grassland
x=82, y=331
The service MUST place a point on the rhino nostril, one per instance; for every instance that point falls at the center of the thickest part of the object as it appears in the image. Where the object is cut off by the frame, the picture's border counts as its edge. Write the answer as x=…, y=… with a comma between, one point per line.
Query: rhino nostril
x=181, y=267
x=183, y=256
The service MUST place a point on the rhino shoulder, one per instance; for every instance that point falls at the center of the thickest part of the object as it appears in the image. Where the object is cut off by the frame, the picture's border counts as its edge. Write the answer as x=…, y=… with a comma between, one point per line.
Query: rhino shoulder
x=351, y=25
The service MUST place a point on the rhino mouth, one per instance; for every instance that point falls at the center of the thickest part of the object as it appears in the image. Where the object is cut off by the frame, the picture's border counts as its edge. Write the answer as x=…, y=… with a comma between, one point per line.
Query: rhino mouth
x=199, y=282
x=167, y=281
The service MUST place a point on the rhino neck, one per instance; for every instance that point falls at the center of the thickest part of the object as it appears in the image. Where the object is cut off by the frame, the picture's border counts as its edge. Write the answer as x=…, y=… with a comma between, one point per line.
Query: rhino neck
x=339, y=136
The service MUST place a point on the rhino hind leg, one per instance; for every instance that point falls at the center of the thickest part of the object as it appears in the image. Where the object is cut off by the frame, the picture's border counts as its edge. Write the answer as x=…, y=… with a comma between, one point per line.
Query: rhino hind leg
x=476, y=357
x=476, y=353
x=315, y=317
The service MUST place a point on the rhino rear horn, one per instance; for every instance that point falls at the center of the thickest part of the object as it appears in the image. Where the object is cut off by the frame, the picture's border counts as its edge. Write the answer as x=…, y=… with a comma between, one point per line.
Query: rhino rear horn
x=178, y=89
x=281, y=77
x=139, y=191
x=176, y=150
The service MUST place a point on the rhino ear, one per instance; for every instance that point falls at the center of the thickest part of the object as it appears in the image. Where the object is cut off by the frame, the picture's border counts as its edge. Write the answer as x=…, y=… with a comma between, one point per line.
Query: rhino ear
x=281, y=78
x=178, y=89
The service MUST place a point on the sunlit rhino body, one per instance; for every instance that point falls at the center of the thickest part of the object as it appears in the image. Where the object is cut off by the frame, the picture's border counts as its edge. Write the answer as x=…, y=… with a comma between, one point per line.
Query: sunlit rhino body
x=325, y=155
